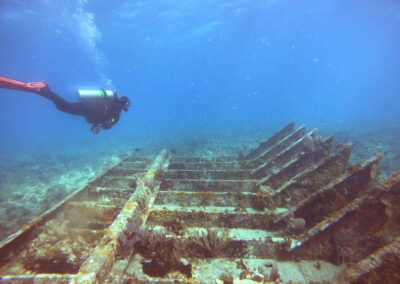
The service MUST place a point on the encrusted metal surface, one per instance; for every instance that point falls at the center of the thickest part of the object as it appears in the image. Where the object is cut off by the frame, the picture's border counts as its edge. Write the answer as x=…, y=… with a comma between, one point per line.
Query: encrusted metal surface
x=78, y=239
x=292, y=209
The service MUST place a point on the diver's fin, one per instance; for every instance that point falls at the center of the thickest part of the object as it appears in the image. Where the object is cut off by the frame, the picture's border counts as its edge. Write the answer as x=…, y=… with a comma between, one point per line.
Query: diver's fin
x=35, y=87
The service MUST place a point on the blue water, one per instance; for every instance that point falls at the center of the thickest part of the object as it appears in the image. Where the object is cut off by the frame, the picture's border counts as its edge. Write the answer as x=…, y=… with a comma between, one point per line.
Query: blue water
x=196, y=66
x=208, y=64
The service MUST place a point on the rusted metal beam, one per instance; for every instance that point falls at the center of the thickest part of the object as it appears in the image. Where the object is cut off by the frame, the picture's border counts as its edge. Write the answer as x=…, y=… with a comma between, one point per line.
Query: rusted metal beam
x=202, y=159
x=199, y=198
x=312, y=178
x=337, y=194
x=204, y=217
x=285, y=131
x=294, y=160
x=274, y=150
x=101, y=261
x=285, y=157
x=209, y=174
x=356, y=230
x=229, y=165
x=226, y=185
x=383, y=266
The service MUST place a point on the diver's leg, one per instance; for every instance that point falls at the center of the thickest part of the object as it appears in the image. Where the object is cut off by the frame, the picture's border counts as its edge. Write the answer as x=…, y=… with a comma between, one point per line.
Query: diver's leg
x=56, y=99
x=73, y=108
x=63, y=105
x=42, y=89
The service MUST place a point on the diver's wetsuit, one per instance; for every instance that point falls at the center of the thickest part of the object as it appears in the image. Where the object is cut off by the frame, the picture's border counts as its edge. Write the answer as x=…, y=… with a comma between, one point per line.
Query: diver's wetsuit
x=102, y=113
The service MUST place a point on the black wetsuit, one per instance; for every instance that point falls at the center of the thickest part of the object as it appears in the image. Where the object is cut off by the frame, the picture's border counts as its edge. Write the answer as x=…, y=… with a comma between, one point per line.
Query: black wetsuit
x=102, y=113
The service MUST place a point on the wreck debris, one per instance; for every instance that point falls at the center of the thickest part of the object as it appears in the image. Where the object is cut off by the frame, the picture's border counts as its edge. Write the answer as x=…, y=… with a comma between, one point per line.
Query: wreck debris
x=294, y=198
x=380, y=267
x=369, y=217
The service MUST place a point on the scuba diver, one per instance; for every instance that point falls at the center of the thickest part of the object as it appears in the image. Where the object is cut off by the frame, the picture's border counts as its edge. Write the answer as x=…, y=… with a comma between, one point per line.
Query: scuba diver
x=101, y=108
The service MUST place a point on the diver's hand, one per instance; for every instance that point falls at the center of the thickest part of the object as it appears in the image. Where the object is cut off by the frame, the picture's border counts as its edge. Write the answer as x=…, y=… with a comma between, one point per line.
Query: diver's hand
x=95, y=129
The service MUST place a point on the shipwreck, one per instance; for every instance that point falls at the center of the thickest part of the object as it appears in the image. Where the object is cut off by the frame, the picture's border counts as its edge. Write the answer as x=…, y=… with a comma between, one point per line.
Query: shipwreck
x=292, y=209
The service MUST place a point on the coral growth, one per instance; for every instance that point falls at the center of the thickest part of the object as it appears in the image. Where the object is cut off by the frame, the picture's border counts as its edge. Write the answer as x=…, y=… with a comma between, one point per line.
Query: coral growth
x=165, y=253
x=263, y=199
x=175, y=226
x=226, y=278
x=283, y=248
x=162, y=178
x=211, y=243
x=134, y=233
x=338, y=255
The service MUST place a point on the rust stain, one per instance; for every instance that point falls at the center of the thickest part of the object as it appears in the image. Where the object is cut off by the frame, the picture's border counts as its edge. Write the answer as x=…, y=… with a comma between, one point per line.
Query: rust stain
x=129, y=205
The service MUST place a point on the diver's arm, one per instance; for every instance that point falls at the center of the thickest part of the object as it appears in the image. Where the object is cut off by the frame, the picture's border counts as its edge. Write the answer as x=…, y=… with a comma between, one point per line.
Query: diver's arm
x=115, y=112
x=108, y=124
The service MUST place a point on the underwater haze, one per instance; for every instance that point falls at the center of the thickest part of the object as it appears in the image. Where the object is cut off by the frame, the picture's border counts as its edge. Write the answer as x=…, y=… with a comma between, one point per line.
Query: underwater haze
x=190, y=68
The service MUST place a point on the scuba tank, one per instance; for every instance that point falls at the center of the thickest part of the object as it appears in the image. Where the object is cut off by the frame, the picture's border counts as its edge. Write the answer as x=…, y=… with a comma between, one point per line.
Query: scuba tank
x=96, y=94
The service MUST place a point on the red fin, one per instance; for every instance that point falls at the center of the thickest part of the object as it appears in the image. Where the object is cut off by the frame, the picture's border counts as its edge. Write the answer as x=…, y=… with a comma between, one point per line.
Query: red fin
x=9, y=83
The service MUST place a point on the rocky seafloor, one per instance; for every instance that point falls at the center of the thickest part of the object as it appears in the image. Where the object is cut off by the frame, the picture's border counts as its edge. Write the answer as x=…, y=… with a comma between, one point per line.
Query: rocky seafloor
x=32, y=182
